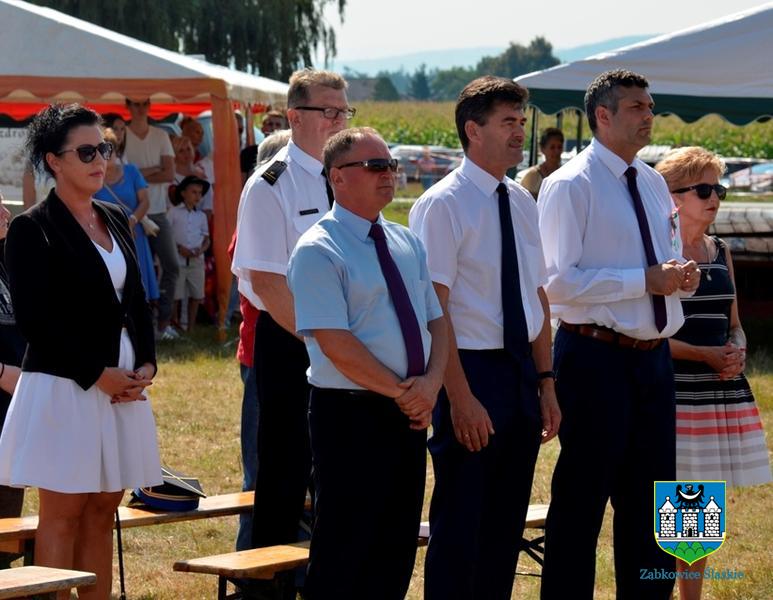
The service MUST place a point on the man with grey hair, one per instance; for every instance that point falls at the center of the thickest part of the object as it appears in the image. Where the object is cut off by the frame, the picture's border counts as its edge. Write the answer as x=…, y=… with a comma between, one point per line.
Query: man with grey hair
x=279, y=202
x=373, y=327
x=615, y=275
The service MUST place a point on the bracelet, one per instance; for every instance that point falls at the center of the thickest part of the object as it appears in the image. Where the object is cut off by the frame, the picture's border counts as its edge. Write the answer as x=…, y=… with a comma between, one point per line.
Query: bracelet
x=2, y=370
x=546, y=375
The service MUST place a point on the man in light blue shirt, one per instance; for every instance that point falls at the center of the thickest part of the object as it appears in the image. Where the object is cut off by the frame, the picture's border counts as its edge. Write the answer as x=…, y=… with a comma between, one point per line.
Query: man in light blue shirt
x=377, y=343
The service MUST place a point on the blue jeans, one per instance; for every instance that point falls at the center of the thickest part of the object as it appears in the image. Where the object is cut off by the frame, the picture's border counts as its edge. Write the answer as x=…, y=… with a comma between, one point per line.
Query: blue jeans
x=249, y=451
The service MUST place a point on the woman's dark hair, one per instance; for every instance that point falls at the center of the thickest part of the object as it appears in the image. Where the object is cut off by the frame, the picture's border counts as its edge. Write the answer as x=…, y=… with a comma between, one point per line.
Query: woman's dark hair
x=550, y=132
x=49, y=129
x=108, y=119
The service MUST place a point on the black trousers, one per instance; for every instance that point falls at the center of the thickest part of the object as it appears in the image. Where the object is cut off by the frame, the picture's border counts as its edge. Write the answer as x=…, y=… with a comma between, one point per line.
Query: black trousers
x=480, y=499
x=284, y=457
x=369, y=471
x=617, y=437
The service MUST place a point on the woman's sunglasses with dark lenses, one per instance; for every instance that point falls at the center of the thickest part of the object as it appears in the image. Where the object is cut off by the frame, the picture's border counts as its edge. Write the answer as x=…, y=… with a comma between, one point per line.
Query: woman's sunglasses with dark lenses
x=87, y=152
x=704, y=190
x=375, y=165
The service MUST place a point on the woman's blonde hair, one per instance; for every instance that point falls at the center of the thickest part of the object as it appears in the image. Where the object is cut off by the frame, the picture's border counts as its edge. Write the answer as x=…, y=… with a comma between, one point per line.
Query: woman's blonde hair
x=179, y=141
x=109, y=135
x=684, y=165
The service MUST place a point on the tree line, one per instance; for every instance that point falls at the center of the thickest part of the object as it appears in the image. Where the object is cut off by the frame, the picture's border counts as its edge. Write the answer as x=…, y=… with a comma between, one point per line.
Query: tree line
x=445, y=84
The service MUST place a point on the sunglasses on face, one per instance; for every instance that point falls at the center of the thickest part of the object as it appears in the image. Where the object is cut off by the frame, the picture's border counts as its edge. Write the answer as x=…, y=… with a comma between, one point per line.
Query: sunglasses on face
x=704, y=190
x=88, y=152
x=374, y=165
x=331, y=113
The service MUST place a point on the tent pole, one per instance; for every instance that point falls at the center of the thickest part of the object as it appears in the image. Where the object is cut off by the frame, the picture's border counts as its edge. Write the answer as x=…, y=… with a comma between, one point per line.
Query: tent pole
x=534, y=132
x=579, y=131
x=560, y=119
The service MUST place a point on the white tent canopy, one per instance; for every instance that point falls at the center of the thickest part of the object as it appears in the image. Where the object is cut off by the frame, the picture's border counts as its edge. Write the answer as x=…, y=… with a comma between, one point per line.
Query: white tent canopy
x=722, y=67
x=40, y=42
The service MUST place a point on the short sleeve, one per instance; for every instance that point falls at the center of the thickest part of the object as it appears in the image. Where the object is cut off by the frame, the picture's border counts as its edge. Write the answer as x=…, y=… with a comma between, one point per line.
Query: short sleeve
x=137, y=180
x=166, y=144
x=432, y=304
x=435, y=228
x=317, y=289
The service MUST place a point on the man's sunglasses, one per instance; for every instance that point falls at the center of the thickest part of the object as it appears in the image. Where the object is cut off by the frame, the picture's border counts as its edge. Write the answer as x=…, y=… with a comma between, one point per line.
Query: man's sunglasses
x=704, y=190
x=375, y=165
x=87, y=152
x=330, y=112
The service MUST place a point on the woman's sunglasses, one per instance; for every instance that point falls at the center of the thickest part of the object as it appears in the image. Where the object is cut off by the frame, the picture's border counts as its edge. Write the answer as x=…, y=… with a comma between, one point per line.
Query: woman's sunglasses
x=87, y=152
x=704, y=190
x=375, y=165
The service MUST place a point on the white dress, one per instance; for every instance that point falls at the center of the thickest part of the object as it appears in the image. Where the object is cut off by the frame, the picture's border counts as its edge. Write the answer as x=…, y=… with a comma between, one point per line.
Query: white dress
x=61, y=438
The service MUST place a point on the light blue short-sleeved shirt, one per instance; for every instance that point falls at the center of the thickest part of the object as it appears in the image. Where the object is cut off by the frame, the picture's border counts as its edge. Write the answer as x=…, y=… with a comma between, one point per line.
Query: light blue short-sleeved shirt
x=336, y=281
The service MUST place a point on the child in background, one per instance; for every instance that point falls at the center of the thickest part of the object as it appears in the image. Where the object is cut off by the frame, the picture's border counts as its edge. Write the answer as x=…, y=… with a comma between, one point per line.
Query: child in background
x=191, y=235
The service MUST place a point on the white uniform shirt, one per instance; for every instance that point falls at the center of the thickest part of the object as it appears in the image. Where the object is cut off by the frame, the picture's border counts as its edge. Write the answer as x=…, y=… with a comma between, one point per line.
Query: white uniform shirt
x=147, y=153
x=458, y=221
x=271, y=218
x=593, y=249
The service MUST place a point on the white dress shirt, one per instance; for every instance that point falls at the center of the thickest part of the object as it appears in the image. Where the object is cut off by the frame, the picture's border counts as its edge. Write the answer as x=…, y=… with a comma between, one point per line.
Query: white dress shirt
x=189, y=227
x=593, y=249
x=271, y=218
x=458, y=221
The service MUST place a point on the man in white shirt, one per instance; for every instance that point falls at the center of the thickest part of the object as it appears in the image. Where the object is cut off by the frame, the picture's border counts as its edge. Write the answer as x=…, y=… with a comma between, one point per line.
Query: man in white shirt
x=615, y=275
x=149, y=149
x=280, y=201
x=485, y=260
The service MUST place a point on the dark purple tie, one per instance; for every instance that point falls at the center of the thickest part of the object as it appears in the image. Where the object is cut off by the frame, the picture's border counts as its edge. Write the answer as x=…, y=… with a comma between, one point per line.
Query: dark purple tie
x=658, y=301
x=408, y=323
x=515, y=330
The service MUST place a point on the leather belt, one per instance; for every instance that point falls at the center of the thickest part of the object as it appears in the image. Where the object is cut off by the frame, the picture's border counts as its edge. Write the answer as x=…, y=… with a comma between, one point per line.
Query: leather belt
x=610, y=336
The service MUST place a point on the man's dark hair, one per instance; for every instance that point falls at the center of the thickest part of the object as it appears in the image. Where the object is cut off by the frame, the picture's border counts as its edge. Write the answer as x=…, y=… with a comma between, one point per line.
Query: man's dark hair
x=480, y=97
x=603, y=91
x=550, y=132
x=340, y=144
x=49, y=129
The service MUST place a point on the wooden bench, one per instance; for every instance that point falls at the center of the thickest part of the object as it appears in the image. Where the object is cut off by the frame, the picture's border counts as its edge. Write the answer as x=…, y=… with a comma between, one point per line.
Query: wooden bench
x=17, y=535
x=265, y=563
x=22, y=582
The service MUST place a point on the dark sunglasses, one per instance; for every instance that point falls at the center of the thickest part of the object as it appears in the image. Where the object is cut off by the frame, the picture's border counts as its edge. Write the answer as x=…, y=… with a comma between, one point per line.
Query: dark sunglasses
x=704, y=190
x=375, y=165
x=330, y=112
x=87, y=152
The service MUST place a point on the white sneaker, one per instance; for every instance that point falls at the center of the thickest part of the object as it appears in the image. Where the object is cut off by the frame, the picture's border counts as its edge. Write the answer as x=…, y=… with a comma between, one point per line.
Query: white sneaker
x=169, y=334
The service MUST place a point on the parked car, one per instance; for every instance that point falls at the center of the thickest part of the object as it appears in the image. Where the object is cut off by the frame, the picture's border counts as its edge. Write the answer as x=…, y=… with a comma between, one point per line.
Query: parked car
x=756, y=178
x=446, y=159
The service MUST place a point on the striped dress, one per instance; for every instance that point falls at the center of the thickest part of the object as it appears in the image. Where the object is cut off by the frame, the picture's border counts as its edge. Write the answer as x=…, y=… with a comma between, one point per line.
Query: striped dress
x=719, y=435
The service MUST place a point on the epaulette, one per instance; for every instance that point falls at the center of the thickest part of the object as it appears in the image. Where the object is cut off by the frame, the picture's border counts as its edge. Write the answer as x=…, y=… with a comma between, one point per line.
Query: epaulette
x=274, y=171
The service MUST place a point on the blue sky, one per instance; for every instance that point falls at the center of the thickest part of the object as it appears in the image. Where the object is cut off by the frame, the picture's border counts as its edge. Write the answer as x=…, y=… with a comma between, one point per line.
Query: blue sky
x=374, y=28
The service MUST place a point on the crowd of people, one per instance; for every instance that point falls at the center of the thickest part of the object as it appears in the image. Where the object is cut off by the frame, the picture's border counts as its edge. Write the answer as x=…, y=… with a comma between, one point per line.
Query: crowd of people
x=359, y=333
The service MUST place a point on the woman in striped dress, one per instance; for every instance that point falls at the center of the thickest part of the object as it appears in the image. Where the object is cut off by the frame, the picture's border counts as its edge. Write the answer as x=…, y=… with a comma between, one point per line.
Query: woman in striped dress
x=719, y=435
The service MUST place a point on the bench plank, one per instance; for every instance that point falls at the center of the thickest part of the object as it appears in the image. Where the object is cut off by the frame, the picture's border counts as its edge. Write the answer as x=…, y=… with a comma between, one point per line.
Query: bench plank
x=258, y=563
x=21, y=582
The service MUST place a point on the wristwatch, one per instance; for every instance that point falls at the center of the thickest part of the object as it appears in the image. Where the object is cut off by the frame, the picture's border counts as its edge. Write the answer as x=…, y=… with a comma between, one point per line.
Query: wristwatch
x=546, y=375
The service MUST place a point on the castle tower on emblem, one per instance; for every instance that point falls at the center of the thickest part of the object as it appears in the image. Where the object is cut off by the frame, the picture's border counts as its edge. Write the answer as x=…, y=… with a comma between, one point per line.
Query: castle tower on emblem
x=667, y=519
x=711, y=519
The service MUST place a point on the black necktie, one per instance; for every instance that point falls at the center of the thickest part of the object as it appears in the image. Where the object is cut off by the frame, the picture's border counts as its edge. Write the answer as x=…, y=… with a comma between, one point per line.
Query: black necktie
x=516, y=333
x=658, y=302
x=405, y=314
x=328, y=189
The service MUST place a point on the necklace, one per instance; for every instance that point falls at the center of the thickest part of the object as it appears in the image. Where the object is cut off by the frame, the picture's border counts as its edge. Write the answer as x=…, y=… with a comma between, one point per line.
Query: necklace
x=708, y=259
x=92, y=224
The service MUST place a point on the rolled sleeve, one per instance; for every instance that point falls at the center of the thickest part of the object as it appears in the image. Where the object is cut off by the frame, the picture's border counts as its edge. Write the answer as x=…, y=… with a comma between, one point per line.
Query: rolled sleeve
x=317, y=289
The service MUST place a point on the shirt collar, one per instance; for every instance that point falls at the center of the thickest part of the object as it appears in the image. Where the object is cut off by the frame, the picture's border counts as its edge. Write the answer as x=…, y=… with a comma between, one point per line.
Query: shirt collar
x=308, y=162
x=357, y=225
x=484, y=181
x=613, y=162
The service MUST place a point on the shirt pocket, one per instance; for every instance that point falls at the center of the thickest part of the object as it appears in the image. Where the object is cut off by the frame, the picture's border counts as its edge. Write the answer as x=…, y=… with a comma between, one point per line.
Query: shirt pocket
x=303, y=222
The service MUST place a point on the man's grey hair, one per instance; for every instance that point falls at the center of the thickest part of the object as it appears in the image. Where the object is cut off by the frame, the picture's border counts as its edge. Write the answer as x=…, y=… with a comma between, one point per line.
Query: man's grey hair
x=342, y=142
x=271, y=145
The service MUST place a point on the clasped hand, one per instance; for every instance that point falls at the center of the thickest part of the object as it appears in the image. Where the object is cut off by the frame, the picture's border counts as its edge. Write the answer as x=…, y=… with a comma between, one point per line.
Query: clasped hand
x=418, y=400
x=666, y=278
x=123, y=385
x=728, y=360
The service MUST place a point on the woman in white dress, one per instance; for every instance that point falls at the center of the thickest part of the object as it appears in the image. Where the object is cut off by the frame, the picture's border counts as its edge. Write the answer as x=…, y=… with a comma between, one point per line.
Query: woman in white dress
x=79, y=426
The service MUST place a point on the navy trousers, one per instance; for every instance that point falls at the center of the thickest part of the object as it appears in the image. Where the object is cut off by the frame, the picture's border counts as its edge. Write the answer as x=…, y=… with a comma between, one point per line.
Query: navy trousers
x=617, y=437
x=480, y=499
x=284, y=457
x=369, y=471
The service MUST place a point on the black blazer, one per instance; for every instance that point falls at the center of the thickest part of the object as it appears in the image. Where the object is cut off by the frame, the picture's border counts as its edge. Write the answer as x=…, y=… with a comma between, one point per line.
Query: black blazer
x=63, y=297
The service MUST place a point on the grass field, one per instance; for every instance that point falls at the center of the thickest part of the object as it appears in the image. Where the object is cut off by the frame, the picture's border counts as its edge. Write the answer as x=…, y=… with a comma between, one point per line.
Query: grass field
x=197, y=402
